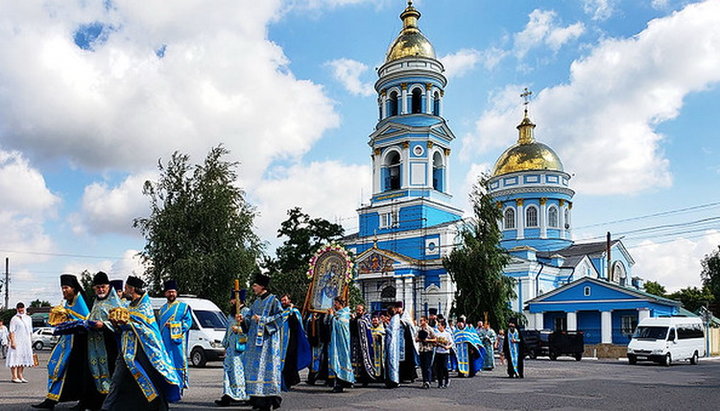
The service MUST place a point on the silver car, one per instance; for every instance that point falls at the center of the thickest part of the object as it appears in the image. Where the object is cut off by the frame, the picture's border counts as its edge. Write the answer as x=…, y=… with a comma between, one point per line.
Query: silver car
x=43, y=338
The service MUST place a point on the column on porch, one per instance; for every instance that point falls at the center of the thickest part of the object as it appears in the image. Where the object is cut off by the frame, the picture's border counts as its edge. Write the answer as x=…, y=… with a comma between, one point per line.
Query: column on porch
x=571, y=321
x=606, y=327
x=409, y=297
x=643, y=313
x=539, y=321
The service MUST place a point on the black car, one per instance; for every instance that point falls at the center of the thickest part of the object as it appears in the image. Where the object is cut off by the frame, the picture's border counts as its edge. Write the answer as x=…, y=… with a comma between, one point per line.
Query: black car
x=554, y=343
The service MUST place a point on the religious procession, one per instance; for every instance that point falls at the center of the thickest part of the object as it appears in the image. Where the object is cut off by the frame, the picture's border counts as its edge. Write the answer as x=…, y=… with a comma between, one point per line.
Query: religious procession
x=122, y=354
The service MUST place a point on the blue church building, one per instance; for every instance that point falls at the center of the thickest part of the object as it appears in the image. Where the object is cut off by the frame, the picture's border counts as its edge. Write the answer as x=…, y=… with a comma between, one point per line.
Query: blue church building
x=409, y=222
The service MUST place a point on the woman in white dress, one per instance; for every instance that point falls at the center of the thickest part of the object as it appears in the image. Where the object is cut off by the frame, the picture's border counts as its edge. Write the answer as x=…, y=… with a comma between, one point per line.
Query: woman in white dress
x=20, y=354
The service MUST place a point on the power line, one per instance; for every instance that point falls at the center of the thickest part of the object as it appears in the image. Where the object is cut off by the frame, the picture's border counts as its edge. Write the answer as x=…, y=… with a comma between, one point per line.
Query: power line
x=103, y=257
x=660, y=214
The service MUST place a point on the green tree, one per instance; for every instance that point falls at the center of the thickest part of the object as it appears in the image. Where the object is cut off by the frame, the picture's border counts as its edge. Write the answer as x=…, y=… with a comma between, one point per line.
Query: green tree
x=200, y=228
x=303, y=236
x=692, y=298
x=654, y=288
x=39, y=303
x=86, y=281
x=710, y=276
x=476, y=264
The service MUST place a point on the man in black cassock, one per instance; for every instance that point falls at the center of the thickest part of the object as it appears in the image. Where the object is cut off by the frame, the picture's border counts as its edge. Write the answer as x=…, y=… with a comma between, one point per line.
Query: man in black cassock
x=295, y=345
x=68, y=372
x=361, y=347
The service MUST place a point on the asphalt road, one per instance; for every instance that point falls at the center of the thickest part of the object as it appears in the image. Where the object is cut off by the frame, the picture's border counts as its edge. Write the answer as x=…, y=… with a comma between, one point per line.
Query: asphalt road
x=563, y=384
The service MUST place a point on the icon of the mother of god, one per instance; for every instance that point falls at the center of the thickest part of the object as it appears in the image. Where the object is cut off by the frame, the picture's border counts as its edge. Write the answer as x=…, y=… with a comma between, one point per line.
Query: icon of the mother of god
x=329, y=285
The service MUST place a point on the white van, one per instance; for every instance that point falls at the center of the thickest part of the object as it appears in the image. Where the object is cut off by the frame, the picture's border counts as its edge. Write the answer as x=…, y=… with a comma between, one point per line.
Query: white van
x=207, y=331
x=667, y=339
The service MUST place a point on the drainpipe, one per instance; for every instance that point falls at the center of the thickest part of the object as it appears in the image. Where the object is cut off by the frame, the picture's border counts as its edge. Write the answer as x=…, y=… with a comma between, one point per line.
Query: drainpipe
x=607, y=272
x=537, y=286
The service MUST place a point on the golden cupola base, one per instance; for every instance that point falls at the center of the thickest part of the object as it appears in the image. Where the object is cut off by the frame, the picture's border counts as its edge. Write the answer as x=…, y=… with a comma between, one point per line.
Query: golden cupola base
x=527, y=154
x=410, y=42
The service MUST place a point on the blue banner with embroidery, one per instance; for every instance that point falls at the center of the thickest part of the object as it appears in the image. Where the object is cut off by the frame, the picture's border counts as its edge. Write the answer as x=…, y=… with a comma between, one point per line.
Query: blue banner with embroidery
x=58, y=362
x=142, y=331
x=97, y=353
x=175, y=322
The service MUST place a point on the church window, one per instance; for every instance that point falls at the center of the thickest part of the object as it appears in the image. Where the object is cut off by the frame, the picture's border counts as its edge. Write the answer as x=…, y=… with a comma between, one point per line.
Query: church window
x=438, y=172
x=553, y=217
x=388, y=220
x=567, y=219
x=392, y=177
x=436, y=104
x=416, y=101
x=394, y=108
x=388, y=294
x=509, y=219
x=628, y=324
x=531, y=217
x=586, y=291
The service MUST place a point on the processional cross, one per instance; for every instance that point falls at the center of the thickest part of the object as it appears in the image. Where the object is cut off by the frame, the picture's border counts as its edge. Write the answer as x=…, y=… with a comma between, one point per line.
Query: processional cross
x=526, y=96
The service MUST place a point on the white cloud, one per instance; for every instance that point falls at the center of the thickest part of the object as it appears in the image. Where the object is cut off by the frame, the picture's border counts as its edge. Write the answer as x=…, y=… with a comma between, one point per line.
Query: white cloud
x=542, y=28
x=108, y=209
x=329, y=190
x=660, y=4
x=601, y=9
x=602, y=122
x=472, y=177
x=348, y=73
x=674, y=264
x=26, y=204
x=121, y=106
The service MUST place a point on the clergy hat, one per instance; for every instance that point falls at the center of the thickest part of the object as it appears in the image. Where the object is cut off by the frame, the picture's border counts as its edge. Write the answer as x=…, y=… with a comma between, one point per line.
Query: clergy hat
x=135, y=282
x=100, y=278
x=117, y=285
x=398, y=304
x=513, y=320
x=262, y=280
x=432, y=311
x=70, y=281
x=170, y=285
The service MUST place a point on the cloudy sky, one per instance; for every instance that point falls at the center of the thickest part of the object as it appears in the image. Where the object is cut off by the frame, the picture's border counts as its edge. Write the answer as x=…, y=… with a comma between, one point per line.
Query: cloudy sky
x=93, y=93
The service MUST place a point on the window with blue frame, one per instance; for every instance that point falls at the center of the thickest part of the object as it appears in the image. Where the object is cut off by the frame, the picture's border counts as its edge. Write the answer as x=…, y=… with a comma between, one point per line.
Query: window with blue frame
x=436, y=104
x=509, y=219
x=416, y=106
x=531, y=217
x=553, y=217
x=393, y=109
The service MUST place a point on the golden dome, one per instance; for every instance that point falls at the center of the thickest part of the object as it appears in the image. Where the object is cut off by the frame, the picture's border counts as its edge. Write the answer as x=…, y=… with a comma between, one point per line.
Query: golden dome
x=411, y=42
x=527, y=154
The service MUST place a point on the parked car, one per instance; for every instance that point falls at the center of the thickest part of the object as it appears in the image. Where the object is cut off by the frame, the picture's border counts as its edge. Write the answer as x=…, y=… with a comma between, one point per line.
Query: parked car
x=667, y=339
x=554, y=343
x=204, y=341
x=43, y=338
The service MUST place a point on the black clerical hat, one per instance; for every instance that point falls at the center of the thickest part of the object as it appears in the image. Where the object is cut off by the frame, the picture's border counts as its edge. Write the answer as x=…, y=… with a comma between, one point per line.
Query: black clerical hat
x=432, y=311
x=117, y=285
x=135, y=282
x=70, y=281
x=100, y=278
x=170, y=285
x=262, y=280
x=398, y=304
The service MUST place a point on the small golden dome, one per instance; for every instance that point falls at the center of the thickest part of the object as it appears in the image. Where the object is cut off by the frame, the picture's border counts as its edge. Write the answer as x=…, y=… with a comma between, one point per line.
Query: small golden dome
x=527, y=154
x=411, y=42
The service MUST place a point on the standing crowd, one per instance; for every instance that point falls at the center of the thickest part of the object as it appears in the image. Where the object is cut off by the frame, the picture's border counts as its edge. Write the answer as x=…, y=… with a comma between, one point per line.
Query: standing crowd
x=121, y=355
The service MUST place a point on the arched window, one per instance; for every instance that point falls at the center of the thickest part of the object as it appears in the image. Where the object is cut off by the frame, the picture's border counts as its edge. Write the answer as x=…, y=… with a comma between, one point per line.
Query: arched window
x=436, y=104
x=393, y=102
x=509, y=219
x=392, y=176
x=553, y=217
x=438, y=172
x=388, y=294
x=567, y=219
x=416, y=101
x=619, y=275
x=531, y=217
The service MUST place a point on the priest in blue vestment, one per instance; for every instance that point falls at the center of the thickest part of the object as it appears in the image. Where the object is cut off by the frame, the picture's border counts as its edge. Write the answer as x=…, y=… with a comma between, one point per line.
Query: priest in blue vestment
x=68, y=372
x=469, y=350
x=144, y=378
x=400, y=353
x=263, y=356
x=514, y=350
x=175, y=323
x=489, y=337
x=339, y=358
x=102, y=342
x=297, y=353
x=235, y=343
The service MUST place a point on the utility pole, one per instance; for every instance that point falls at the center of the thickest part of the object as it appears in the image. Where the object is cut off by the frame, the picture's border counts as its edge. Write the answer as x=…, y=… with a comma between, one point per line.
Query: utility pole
x=7, y=282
